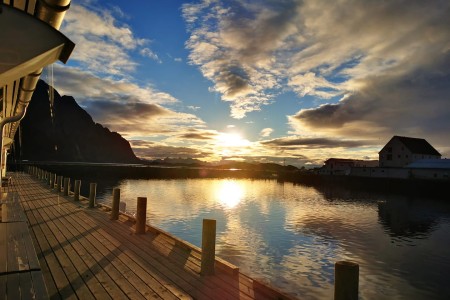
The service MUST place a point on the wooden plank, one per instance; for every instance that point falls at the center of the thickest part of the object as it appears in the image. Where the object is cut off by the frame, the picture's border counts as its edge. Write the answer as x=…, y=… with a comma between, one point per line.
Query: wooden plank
x=93, y=278
x=102, y=241
x=42, y=233
x=48, y=280
x=3, y=284
x=25, y=286
x=19, y=243
x=63, y=287
x=96, y=261
x=97, y=246
x=13, y=286
x=16, y=246
x=39, y=287
x=3, y=248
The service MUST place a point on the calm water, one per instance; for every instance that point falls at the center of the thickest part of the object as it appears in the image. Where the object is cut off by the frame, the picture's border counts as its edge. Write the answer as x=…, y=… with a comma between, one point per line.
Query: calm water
x=291, y=235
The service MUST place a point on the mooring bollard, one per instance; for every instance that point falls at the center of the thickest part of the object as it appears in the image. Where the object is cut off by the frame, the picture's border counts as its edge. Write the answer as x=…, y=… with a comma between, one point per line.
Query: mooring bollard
x=115, y=204
x=92, y=193
x=208, y=247
x=346, y=280
x=60, y=183
x=141, y=215
x=66, y=186
x=76, y=190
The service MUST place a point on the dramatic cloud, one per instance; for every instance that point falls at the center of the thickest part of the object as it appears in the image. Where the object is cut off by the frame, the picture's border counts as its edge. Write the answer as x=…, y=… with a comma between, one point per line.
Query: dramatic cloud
x=388, y=61
x=416, y=104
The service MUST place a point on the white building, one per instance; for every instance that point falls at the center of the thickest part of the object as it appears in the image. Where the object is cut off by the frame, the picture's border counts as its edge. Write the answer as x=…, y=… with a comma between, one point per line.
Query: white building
x=401, y=151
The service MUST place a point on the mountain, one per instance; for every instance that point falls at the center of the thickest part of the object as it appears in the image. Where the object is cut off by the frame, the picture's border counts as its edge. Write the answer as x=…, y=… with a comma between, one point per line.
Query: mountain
x=68, y=134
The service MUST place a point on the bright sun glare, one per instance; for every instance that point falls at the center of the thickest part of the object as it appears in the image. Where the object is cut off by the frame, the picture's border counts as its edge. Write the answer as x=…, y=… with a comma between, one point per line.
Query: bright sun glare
x=229, y=193
x=232, y=140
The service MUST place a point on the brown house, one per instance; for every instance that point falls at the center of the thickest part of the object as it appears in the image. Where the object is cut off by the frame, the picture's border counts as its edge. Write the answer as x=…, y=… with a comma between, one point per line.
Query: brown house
x=401, y=151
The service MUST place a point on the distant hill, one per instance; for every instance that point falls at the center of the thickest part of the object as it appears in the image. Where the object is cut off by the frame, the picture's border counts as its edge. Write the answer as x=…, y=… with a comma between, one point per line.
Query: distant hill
x=70, y=136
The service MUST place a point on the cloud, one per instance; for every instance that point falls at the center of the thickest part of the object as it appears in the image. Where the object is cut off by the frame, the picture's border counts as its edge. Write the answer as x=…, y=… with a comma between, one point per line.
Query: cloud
x=124, y=106
x=370, y=53
x=197, y=135
x=155, y=150
x=413, y=104
x=103, y=44
x=146, y=52
x=266, y=132
x=302, y=142
x=84, y=86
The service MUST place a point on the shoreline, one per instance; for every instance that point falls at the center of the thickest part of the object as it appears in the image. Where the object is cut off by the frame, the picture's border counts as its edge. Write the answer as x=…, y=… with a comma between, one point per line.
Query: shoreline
x=434, y=188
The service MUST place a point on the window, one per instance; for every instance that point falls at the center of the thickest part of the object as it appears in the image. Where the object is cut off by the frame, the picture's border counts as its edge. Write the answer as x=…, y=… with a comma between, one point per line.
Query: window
x=389, y=157
x=399, y=156
x=389, y=149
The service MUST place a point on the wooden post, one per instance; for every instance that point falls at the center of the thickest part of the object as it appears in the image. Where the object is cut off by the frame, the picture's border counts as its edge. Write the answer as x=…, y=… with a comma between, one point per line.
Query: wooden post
x=141, y=215
x=92, y=193
x=346, y=280
x=52, y=181
x=76, y=190
x=66, y=186
x=49, y=179
x=208, y=247
x=59, y=184
x=115, y=204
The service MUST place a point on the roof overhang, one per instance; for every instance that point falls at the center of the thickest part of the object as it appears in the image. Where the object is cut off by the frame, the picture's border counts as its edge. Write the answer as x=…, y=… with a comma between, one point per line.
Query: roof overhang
x=28, y=44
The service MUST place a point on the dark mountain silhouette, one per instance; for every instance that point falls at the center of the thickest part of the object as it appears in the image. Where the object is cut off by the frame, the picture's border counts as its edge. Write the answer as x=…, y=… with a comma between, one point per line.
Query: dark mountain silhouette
x=69, y=136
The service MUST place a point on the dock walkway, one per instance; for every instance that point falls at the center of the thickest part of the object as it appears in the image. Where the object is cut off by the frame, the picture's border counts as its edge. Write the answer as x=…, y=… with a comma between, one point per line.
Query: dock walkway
x=85, y=255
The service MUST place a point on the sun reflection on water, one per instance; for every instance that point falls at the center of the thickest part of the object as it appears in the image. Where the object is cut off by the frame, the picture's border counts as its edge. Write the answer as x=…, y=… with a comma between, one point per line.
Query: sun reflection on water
x=229, y=193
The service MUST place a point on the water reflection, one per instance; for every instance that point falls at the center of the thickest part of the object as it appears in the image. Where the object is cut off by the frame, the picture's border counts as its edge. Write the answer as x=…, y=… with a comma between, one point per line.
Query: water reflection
x=406, y=218
x=292, y=235
x=229, y=193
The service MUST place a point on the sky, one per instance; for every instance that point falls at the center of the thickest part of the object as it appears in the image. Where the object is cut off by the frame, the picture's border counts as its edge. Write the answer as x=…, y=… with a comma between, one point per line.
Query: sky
x=284, y=81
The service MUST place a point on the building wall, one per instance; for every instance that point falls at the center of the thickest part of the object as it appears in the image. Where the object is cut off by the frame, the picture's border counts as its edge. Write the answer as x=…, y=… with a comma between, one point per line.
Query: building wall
x=395, y=154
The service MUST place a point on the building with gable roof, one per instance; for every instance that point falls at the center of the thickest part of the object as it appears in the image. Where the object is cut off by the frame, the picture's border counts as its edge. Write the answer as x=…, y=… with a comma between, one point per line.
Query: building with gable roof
x=401, y=151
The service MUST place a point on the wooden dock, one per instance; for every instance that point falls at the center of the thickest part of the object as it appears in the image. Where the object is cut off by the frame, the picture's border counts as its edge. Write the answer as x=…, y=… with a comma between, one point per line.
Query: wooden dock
x=85, y=255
